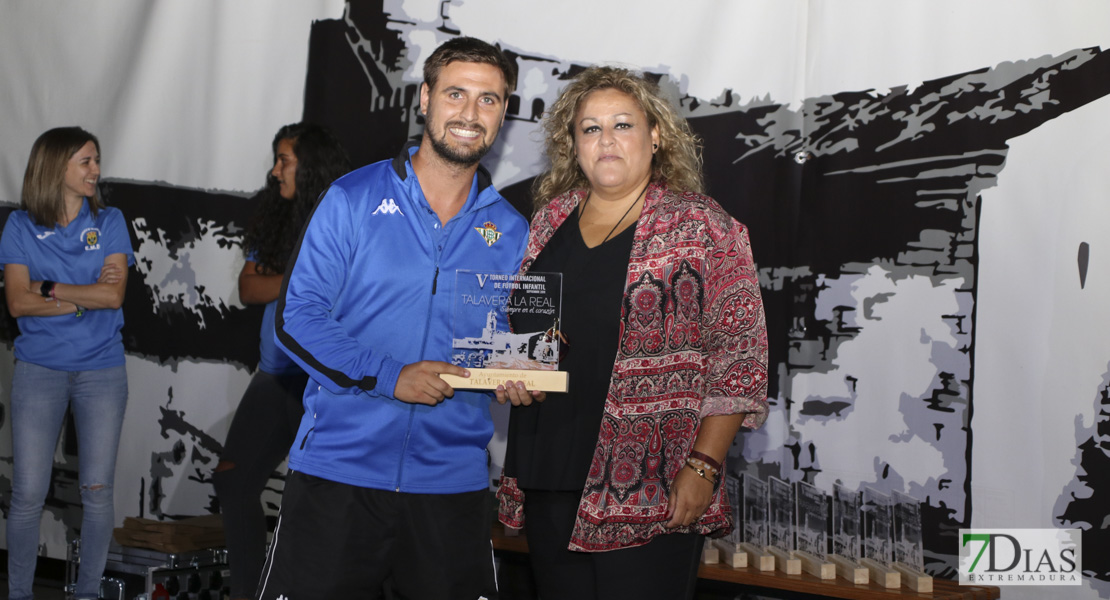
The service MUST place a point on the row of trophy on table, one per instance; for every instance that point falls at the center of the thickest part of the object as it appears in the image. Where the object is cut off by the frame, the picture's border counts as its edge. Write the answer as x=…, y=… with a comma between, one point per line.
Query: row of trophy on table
x=862, y=537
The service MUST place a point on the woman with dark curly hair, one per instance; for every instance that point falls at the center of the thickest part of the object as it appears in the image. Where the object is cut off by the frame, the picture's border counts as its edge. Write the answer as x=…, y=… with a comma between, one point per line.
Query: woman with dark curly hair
x=666, y=350
x=307, y=158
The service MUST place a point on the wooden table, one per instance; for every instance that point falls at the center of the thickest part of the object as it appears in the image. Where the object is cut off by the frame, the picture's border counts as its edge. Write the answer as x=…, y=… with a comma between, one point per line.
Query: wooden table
x=805, y=583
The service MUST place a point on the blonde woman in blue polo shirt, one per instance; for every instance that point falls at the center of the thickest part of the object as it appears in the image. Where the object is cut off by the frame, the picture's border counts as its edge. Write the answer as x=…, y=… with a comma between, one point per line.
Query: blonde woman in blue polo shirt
x=65, y=258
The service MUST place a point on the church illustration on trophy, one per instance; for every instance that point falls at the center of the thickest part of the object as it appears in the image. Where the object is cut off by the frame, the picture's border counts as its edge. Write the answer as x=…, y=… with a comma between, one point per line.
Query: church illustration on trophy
x=499, y=349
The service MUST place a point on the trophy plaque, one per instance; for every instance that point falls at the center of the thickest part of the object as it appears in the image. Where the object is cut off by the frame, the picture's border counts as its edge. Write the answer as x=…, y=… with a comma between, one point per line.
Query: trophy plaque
x=755, y=511
x=877, y=526
x=845, y=535
x=736, y=502
x=488, y=348
x=811, y=530
x=813, y=519
x=753, y=524
x=907, y=530
x=908, y=558
x=846, y=525
x=780, y=530
x=877, y=529
x=730, y=546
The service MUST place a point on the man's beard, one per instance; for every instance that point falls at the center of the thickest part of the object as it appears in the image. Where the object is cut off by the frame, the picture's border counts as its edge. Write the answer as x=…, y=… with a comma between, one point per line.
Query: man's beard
x=464, y=157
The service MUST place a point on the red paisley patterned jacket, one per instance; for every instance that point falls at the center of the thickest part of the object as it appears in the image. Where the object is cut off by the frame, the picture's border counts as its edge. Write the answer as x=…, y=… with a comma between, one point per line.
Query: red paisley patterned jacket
x=693, y=344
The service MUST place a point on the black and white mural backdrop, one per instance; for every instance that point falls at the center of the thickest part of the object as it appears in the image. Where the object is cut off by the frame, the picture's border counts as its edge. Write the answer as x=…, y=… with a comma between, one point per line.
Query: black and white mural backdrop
x=926, y=184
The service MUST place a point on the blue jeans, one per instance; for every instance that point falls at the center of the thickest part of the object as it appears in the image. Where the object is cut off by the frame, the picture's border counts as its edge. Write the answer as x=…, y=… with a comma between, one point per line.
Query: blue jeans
x=40, y=397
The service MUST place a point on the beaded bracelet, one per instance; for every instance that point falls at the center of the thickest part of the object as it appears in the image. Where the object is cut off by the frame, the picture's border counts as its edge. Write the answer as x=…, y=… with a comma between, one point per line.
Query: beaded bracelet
x=705, y=458
x=701, y=464
x=701, y=471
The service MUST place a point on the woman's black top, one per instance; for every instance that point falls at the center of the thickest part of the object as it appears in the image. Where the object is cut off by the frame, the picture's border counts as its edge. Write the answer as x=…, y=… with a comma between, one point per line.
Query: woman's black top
x=551, y=444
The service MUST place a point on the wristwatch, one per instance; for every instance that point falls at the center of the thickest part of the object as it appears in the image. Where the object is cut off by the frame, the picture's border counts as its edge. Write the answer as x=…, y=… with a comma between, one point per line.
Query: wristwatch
x=46, y=290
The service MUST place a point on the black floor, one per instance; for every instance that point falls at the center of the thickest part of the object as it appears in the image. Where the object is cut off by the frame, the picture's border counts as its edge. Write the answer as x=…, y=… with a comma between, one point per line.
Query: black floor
x=514, y=580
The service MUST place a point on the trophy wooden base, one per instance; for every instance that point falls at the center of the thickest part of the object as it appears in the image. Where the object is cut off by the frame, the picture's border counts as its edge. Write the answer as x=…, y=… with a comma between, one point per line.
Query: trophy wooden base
x=709, y=553
x=784, y=561
x=849, y=569
x=815, y=565
x=757, y=557
x=731, y=554
x=882, y=574
x=489, y=379
x=917, y=581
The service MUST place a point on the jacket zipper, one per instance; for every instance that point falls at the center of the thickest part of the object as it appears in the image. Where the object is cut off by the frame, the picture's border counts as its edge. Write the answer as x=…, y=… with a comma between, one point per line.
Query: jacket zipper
x=423, y=347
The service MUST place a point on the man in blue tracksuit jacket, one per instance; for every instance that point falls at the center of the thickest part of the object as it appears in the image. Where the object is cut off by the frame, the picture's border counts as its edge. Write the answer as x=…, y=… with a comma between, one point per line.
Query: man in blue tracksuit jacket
x=388, y=477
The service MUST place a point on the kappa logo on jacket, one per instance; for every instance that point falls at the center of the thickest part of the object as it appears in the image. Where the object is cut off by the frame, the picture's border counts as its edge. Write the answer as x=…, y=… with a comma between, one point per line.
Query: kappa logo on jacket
x=388, y=207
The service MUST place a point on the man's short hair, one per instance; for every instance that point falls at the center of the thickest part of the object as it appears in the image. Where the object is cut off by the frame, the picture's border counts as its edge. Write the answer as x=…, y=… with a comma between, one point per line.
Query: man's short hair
x=468, y=49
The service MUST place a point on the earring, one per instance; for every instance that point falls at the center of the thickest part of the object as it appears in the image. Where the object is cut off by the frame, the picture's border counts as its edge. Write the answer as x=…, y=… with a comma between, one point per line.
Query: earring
x=654, y=147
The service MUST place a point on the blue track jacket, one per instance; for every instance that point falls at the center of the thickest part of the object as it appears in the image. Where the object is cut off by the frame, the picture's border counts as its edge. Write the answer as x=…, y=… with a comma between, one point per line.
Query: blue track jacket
x=370, y=289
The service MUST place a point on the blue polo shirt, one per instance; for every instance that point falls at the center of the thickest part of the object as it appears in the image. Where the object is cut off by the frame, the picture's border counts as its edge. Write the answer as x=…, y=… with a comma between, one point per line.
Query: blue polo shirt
x=72, y=254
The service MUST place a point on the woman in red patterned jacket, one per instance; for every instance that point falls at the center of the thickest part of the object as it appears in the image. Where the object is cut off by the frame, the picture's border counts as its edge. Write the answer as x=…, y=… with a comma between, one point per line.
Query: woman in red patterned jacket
x=666, y=346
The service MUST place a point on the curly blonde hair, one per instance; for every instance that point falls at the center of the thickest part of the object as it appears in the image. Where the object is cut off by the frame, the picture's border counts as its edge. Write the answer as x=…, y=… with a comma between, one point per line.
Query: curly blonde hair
x=677, y=162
